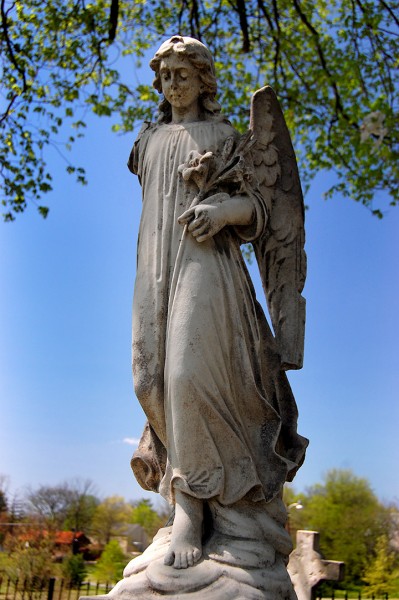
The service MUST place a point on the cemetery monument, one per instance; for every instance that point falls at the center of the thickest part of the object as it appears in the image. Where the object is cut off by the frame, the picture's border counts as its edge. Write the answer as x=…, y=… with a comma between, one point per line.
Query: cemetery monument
x=221, y=434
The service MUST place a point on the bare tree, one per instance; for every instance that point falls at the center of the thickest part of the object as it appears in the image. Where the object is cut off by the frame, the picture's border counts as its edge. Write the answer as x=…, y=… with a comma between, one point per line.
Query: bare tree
x=69, y=505
x=50, y=504
x=83, y=503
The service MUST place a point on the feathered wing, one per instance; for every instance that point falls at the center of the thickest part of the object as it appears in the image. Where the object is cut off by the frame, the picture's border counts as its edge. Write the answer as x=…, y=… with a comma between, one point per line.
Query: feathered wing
x=280, y=249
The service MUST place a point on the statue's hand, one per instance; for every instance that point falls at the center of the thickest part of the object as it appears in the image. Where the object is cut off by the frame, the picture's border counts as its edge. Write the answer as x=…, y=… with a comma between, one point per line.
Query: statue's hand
x=214, y=213
x=204, y=220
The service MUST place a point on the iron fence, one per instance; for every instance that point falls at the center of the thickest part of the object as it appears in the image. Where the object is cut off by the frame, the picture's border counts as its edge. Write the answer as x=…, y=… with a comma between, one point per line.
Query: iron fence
x=59, y=589
x=346, y=595
x=49, y=589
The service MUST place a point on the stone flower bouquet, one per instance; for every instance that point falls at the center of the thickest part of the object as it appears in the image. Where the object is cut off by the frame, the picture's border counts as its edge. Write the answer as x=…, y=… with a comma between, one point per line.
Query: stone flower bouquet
x=210, y=172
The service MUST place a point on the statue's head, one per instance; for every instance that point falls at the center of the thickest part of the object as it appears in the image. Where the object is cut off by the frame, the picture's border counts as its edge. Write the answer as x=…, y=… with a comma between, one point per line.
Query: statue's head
x=201, y=59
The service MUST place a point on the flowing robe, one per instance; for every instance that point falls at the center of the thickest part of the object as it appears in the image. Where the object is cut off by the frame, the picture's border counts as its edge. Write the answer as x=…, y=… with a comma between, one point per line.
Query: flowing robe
x=221, y=415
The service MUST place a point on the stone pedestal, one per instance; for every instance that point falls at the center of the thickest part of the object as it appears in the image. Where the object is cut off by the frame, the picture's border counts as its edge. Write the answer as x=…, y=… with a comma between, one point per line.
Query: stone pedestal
x=226, y=572
x=244, y=558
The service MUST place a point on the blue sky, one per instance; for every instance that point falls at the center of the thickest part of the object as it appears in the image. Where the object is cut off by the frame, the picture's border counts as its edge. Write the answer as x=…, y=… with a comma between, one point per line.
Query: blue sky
x=67, y=403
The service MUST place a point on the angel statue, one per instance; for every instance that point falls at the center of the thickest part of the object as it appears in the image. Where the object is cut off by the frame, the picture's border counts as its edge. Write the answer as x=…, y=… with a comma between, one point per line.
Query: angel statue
x=221, y=438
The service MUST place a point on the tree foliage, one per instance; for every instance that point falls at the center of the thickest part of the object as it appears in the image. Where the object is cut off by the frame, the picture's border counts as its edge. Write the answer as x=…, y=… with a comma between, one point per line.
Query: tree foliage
x=29, y=556
x=145, y=515
x=382, y=570
x=69, y=505
x=111, y=564
x=73, y=506
x=50, y=504
x=350, y=519
x=294, y=503
x=74, y=569
x=4, y=516
x=333, y=65
x=110, y=517
x=82, y=505
x=3, y=502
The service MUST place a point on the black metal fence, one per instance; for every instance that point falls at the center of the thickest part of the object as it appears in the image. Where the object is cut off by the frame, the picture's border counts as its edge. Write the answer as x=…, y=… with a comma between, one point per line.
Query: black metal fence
x=49, y=589
x=343, y=595
x=331, y=591
x=59, y=589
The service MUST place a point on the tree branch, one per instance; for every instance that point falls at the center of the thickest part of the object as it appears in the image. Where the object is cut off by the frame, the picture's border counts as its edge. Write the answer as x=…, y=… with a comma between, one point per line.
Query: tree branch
x=357, y=50
x=338, y=102
x=242, y=13
x=263, y=9
x=389, y=9
x=10, y=49
x=376, y=44
x=113, y=20
x=13, y=59
x=195, y=20
x=275, y=35
x=240, y=8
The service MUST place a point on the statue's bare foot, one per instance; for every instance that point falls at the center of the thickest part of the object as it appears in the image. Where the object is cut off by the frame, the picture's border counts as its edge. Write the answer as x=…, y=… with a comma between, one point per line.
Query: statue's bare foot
x=186, y=545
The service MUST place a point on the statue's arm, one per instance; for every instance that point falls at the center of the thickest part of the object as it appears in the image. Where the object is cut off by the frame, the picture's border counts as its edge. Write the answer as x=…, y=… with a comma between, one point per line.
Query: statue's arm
x=220, y=210
x=239, y=209
x=137, y=151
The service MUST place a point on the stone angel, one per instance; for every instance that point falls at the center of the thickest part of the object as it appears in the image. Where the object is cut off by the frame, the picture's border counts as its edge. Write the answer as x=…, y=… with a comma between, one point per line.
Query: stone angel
x=221, y=437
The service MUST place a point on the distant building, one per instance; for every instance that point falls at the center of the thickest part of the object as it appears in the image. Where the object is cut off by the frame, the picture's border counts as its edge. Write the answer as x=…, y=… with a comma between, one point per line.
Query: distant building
x=65, y=541
x=132, y=539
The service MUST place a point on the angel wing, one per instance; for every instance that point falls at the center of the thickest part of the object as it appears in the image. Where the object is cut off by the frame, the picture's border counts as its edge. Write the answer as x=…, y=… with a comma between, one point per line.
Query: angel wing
x=280, y=250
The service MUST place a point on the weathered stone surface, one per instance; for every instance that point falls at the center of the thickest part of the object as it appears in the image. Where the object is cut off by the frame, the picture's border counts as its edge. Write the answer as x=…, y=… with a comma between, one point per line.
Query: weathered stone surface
x=307, y=568
x=239, y=569
x=221, y=436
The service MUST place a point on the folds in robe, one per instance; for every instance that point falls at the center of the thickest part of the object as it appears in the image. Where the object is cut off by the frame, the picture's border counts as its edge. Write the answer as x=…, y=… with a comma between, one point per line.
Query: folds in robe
x=221, y=414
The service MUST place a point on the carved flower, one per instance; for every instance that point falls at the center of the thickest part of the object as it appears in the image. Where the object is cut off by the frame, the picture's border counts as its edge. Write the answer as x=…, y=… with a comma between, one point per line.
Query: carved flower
x=229, y=167
x=196, y=168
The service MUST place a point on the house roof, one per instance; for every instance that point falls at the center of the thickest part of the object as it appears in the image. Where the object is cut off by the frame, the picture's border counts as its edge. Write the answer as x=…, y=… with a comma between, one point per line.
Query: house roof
x=60, y=537
x=67, y=537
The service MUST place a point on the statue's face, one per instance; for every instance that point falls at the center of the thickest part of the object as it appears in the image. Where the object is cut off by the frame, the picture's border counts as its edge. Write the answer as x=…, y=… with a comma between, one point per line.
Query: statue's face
x=181, y=84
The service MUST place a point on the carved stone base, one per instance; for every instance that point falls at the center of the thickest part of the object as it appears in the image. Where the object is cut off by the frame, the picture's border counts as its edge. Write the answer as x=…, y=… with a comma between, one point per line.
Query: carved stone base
x=244, y=558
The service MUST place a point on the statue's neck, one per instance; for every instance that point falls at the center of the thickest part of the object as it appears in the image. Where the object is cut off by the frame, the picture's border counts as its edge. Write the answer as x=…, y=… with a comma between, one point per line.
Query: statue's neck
x=186, y=114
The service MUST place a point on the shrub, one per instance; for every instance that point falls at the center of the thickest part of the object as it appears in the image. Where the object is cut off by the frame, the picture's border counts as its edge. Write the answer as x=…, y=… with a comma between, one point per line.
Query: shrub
x=74, y=569
x=111, y=564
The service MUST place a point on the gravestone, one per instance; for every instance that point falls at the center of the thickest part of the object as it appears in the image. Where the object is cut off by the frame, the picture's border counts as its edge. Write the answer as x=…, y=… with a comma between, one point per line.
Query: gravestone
x=307, y=568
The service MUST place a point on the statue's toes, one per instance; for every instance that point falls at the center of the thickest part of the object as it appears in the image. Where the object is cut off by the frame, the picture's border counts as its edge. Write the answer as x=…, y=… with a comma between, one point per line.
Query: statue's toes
x=197, y=553
x=193, y=556
x=181, y=560
x=169, y=558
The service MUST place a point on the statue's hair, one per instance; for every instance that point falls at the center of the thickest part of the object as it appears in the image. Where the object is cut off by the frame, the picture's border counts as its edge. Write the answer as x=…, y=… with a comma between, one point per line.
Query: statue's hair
x=201, y=59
